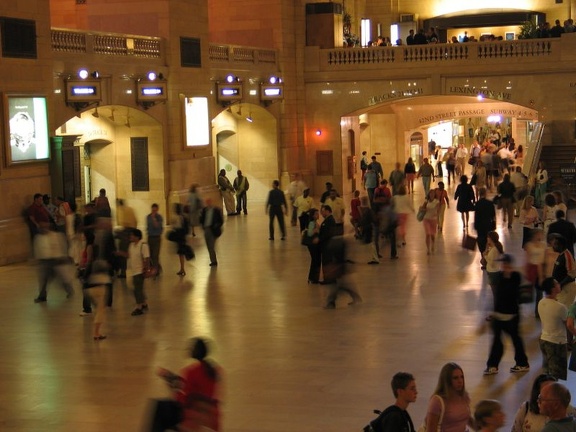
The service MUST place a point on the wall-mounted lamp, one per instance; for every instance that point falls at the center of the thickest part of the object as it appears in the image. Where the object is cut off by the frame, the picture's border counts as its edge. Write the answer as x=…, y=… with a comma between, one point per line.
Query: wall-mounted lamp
x=249, y=119
x=274, y=80
x=83, y=74
x=318, y=132
x=232, y=79
x=151, y=90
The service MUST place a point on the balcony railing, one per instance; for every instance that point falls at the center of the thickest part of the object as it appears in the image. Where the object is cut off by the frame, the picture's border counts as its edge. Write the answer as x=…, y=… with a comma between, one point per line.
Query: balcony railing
x=106, y=43
x=362, y=58
x=78, y=42
x=240, y=54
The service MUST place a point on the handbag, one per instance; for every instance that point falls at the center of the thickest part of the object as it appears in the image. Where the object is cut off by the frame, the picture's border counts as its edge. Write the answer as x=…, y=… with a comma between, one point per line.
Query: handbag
x=306, y=239
x=422, y=428
x=469, y=242
x=150, y=272
x=474, y=180
x=421, y=213
x=189, y=252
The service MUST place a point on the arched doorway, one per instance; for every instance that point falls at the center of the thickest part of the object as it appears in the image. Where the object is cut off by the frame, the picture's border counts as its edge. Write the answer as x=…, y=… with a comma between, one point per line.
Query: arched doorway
x=246, y=140
x=401, y=128
x=119, y=149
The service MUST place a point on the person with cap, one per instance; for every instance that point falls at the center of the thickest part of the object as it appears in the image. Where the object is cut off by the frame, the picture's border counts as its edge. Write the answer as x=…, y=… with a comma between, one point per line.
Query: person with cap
x=506, y=318
x=553, y=338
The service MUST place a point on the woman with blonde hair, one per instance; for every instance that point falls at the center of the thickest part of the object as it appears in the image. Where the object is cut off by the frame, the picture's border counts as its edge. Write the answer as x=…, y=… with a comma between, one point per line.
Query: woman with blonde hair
x=488, y=416
x=449, y=406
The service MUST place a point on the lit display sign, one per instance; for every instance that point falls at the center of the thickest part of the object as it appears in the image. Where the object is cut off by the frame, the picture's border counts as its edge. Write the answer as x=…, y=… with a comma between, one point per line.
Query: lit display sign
x=83, y=91
x=229, y=92
x=27, y=128
x=151, y=92
x=270, y=92
x=196, y=120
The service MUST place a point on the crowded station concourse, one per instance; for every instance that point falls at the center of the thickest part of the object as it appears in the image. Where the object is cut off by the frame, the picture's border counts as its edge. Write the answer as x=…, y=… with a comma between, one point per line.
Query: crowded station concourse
x=287, y=363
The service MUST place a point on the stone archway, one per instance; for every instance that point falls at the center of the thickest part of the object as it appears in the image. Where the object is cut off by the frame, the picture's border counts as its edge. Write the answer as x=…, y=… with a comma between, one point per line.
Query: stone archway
x=246, y=139
x=121, y=150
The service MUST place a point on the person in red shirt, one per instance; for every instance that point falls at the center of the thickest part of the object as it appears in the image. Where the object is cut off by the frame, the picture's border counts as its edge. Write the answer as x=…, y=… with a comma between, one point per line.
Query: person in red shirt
x=37, y=214
x=355, y=213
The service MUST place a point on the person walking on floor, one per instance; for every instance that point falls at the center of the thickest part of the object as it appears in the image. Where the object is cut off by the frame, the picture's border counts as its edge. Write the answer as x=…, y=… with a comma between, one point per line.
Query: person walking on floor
x=466, y=200
x=211, y=220
x=506, y=318
x=276, y=207
x=426, y=171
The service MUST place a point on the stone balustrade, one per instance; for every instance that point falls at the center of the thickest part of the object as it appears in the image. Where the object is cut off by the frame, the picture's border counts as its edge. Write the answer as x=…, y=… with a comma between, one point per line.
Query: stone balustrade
x=78, y=42
x=531, y=50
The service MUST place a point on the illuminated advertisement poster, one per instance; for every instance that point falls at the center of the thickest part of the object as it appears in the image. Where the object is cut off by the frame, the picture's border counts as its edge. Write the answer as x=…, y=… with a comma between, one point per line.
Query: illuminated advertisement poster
x=27, y=129
x=196, y=121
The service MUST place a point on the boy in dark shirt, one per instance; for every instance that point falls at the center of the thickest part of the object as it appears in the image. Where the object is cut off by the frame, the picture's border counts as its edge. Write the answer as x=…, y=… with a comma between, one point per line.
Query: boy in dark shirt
x=395, y=418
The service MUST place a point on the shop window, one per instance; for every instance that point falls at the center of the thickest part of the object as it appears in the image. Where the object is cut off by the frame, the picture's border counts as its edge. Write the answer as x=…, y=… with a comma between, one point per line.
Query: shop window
x=18, y=38
x=190, y=52
x=324, y=163
x=140, y=172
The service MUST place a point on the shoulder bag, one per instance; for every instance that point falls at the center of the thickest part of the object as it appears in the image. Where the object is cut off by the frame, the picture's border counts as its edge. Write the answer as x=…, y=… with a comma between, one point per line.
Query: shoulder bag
x=422, y=428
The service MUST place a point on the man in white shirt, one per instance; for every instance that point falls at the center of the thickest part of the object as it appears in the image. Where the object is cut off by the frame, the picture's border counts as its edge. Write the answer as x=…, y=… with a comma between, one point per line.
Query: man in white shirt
x=461, y=159
x=303, y=204
x=520, y=181
x=553, y=338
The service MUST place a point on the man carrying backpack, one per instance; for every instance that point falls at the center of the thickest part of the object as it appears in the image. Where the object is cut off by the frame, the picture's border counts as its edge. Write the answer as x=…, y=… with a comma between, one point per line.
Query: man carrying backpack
x=395, y=418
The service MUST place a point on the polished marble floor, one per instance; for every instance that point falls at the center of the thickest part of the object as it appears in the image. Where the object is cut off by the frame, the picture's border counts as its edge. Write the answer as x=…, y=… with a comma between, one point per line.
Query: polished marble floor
x=289, y=364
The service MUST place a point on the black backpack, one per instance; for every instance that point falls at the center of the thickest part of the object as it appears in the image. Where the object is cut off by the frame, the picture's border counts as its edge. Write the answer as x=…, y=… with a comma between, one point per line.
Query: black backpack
x=376, y=424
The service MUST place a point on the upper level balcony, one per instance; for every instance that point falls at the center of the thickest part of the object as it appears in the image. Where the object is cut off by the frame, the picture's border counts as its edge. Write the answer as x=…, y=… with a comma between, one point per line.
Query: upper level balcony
x=152, y=49
x=497, y=57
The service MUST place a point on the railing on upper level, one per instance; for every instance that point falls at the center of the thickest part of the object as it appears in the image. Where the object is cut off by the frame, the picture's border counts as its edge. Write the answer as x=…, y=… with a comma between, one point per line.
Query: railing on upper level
x=240, y=54
x=79, y=42
x=106, y=43
x=356, y=58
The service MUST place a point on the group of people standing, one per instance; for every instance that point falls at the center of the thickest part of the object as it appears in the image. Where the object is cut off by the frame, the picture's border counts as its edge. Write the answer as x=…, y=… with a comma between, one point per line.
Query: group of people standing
x=548, y=408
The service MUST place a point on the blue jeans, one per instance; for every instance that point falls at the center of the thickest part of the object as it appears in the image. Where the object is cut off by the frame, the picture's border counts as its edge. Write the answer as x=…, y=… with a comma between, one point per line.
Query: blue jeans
x=426, y=183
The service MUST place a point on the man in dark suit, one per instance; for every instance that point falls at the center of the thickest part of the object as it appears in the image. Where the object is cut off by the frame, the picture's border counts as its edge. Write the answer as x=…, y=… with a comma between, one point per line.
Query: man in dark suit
x=484, y=219
x=327, y=231
x=565, y=228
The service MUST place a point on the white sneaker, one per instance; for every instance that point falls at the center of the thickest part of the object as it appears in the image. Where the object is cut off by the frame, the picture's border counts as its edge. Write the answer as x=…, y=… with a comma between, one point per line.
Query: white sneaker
x=82, y=314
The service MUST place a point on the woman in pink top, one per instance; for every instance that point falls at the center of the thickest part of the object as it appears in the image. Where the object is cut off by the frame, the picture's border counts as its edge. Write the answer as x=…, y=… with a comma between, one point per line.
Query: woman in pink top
x=449, y=406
